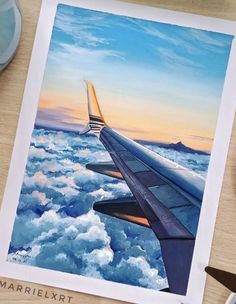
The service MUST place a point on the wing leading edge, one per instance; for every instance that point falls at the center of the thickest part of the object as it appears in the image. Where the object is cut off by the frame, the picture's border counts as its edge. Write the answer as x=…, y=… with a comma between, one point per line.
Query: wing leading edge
x=166, y=196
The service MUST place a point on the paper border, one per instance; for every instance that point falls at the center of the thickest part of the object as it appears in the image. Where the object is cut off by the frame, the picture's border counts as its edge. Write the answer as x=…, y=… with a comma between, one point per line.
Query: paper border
x=22, y=142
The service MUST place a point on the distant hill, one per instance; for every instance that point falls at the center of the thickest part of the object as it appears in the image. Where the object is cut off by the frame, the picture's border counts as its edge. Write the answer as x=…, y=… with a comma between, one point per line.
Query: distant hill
x=179, y=146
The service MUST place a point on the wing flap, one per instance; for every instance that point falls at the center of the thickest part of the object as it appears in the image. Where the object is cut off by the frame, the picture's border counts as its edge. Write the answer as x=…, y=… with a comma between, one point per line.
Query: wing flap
x=126, y=209
x=105, y=168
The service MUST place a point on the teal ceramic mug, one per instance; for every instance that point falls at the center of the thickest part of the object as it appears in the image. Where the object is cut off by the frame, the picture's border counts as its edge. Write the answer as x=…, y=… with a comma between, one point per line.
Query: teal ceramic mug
x=10, y=30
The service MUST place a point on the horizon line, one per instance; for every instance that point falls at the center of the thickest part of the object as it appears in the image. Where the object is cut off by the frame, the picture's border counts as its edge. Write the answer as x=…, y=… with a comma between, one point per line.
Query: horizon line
x=45, y=127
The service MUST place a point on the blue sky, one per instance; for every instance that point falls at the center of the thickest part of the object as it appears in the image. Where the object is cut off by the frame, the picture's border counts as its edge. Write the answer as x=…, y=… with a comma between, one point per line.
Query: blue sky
x=170, y=78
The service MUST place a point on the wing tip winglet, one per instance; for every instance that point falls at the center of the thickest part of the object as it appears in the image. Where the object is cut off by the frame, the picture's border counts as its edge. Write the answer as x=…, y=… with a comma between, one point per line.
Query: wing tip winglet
x=96, y=120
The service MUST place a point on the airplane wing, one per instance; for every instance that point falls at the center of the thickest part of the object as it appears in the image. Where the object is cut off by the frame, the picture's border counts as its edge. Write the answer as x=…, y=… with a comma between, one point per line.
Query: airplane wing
x=166, y=197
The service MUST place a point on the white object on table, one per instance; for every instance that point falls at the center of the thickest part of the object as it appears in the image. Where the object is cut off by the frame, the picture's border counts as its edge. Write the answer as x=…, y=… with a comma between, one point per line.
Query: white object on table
x=10, y=30
x=231, y=299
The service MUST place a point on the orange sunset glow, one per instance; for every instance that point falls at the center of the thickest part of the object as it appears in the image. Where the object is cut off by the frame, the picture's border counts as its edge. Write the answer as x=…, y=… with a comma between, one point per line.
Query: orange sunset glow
x=156, y=126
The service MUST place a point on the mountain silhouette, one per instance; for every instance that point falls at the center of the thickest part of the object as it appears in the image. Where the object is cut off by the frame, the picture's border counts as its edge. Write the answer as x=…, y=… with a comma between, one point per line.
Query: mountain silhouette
x=180, y=147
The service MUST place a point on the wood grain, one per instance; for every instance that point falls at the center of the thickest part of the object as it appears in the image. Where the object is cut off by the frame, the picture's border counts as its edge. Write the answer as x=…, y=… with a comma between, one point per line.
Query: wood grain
x=12, y=83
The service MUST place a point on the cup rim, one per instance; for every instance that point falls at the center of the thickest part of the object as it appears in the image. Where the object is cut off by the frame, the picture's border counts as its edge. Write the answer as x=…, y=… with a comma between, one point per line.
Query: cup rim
x=7, y=55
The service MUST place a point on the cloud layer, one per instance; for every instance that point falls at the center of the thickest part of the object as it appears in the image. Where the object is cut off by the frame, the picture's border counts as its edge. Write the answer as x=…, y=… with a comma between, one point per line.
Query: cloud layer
x=56, y=227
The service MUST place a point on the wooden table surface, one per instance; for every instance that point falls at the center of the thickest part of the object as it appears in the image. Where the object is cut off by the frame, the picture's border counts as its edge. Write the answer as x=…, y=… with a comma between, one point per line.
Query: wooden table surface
x=12, y=82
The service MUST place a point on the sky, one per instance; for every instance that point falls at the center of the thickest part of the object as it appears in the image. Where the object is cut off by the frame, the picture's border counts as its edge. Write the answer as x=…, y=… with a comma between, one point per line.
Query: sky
x=154, y=81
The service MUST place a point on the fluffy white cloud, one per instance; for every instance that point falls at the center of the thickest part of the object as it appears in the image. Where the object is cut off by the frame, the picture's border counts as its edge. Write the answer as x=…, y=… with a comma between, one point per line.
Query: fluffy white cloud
x=195, y=162
x=48, y=218
x=38, y=179
x=101, y=194
x=150, y=277
x=94, y=233
x=43, y=200
x=100, y=256
x=38, y=153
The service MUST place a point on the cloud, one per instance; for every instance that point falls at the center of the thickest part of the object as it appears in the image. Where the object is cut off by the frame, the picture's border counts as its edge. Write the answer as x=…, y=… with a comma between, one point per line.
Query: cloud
x=79, y=45
x=133, y=130
x=39, y=153
x=100, y=257
x=86, y=42
x=120, y=188
x=38, y=179
x=153, y=30
x=79, y=25
x=150, y=277
x=203, y=138
x=207, y=38
x=171, y=59
x=94, y=233
x=48, y=218
x=205, y=41
x=195, y=162
x=52, y=166
x=76, y=55
x=194, y=41
x=57, y=118
x=89, y=54
x=56, y=208
x=142, y=273
x=71, y=232
x=41, y=197
x=101, y=194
